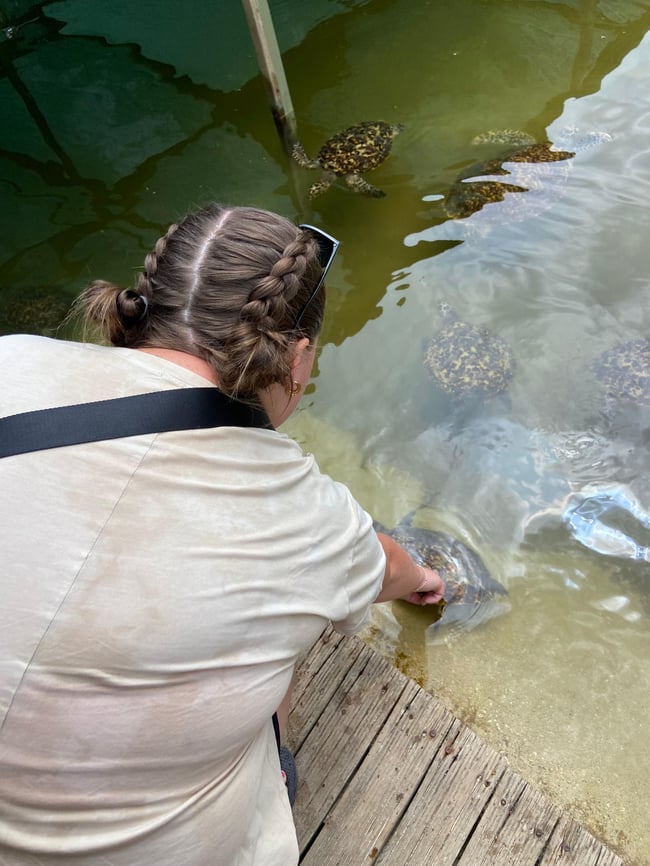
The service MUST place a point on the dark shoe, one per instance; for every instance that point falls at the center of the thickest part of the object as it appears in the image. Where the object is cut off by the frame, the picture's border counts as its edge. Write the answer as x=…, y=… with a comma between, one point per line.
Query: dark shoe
x=290, y=773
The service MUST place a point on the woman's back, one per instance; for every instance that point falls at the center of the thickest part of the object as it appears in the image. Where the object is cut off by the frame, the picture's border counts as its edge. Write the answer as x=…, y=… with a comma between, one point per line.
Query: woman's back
x=159, y=589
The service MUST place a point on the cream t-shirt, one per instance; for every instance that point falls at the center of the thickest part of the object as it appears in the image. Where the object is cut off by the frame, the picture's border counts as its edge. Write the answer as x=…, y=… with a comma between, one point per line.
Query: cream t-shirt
x=156, y=592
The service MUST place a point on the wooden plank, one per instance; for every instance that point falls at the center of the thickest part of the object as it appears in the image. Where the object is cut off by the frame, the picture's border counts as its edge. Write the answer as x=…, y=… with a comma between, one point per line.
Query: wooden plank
x=453, y=795
x=341, y=737
x=309, y=665
x=309, y=706
x=376, y=797
x=572, y=845
x=608, y=858
x=390, y=776
x=515, y=827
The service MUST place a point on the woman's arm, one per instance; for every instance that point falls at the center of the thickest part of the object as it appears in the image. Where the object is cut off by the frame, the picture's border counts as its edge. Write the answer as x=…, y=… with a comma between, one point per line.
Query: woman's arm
x=405, y=579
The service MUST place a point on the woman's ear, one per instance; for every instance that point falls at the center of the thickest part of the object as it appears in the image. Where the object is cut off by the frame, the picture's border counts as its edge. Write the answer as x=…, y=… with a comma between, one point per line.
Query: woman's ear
x=299, y=350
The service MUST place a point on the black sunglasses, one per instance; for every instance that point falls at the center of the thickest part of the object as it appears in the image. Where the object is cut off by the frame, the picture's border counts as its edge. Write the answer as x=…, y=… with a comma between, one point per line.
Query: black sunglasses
x=327, y=247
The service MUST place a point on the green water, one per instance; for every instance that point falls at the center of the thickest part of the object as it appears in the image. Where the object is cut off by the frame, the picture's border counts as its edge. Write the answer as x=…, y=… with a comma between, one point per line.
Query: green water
x=114, y=124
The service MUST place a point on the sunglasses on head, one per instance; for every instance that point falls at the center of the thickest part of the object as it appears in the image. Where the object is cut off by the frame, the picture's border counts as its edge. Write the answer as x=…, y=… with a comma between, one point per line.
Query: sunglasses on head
x=327, y=247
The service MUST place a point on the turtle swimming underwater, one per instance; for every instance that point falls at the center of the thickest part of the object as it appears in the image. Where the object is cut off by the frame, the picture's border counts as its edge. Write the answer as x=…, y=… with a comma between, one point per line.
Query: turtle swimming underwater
x=465, y=360
x=38, y=310
x=624, y=371
x=471, y=595
x=349, y=154
x=539, y=169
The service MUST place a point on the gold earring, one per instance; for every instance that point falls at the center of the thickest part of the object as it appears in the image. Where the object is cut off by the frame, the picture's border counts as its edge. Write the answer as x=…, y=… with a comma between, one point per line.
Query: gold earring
x=294, y=389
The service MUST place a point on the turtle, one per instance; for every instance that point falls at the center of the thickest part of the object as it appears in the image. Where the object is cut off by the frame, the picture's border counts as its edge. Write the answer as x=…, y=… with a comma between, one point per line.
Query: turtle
x=465, y=360
x=349, y=154
x=472, y=595
x=36, y=310
x=520, y=165
x=624, y=371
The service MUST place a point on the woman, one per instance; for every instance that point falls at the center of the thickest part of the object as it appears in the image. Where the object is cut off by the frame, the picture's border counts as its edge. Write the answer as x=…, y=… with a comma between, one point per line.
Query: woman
x=158, y=588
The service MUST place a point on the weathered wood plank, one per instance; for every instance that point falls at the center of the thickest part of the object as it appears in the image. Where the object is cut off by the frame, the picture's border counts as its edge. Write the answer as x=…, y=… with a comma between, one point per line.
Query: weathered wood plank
x=390, y=776
x=375, y=798
x=336, y=745
x=571, y=845
x=309, y=706
x=515, y=827
x=450, y=801
x=326, y=646
x=608, y=858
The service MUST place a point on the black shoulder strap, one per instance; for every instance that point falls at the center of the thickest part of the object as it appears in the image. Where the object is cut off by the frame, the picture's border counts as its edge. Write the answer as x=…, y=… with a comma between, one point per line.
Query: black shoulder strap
x=157, y=412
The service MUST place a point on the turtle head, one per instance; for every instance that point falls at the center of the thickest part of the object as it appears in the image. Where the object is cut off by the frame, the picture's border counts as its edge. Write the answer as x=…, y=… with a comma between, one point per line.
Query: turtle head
x=396, y=128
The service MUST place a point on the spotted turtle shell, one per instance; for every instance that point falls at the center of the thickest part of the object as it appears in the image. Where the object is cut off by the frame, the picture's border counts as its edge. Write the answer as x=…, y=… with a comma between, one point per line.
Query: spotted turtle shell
x=358, y=148
x=624, y=371
x=465, y=360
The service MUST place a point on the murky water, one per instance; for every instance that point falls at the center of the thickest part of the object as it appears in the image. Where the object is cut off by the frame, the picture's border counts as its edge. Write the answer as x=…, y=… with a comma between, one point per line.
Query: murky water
x=89, y=178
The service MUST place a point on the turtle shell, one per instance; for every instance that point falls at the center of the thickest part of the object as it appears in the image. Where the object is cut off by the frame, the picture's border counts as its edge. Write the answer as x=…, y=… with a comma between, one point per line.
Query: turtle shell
x=467, y=580
x=624, y=371
x=466, y=360
x=539, y=169
x=358, y=148
x=515, y=137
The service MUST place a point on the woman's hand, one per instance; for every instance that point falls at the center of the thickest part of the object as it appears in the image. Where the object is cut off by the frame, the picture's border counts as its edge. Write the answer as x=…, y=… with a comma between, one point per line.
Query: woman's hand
x=406, y=579
x=431, y=589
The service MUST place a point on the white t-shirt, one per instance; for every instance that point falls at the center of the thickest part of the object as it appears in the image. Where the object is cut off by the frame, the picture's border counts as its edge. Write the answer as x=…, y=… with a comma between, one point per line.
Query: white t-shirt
x=156, y=592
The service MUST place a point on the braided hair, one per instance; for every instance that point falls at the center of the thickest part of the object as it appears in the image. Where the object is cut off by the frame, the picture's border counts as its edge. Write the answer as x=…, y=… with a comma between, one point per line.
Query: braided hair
x=224, y=284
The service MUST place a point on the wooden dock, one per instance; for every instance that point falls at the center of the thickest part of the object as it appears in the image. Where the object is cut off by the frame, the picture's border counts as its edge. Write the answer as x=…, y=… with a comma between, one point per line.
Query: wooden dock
x=389, y=776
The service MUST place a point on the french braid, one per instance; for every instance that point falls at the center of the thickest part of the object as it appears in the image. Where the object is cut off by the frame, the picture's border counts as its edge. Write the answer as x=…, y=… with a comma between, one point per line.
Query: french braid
x=224, y=284
x=256, y=354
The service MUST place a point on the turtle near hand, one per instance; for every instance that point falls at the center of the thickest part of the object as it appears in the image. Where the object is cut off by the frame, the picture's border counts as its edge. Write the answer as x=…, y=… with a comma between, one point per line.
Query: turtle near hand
x=472, y=595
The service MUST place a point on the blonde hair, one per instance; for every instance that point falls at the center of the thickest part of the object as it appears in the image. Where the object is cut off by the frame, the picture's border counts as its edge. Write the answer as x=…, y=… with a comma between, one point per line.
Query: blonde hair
x=225, y=284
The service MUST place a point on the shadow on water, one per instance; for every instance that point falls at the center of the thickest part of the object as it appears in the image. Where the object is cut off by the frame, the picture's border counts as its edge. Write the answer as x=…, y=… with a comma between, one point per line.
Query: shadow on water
x=118, y=118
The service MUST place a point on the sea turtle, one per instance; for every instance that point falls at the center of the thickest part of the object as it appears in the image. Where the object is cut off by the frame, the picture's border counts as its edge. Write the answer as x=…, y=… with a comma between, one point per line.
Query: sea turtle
x=36, y=311
x=624, y=371
x=349, y=154
x=516, y=164
x=465, y=360
x=471, y=594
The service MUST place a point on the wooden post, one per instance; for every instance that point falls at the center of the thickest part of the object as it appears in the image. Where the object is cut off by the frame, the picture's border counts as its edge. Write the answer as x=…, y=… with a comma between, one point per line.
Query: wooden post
x=265, y=42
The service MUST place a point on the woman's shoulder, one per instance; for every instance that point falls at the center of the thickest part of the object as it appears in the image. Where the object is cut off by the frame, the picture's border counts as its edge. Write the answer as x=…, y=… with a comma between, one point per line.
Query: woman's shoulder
x=19, y=342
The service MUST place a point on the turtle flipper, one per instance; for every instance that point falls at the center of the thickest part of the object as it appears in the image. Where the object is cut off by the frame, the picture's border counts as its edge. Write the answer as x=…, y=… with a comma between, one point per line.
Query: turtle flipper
x=357, y=184
x=326, y=180
x=298, y=153
x=407, y=520
x=465, y=617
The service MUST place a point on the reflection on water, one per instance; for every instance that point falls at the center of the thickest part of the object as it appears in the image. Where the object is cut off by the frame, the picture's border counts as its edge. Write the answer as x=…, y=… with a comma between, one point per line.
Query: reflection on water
x=592, y=516
x=89, y=179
